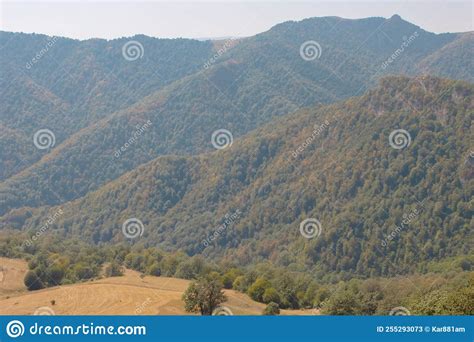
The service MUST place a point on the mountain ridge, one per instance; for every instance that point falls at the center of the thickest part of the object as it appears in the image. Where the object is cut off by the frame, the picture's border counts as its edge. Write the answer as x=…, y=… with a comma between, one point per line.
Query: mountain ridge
x=183, y=200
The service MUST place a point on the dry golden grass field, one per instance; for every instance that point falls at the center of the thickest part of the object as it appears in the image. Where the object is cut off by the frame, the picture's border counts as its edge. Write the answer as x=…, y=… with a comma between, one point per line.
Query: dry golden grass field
x=129, y=294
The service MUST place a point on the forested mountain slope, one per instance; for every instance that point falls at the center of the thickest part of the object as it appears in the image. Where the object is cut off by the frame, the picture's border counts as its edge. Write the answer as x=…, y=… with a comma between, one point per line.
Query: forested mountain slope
x=384, y=203
x=181, y=94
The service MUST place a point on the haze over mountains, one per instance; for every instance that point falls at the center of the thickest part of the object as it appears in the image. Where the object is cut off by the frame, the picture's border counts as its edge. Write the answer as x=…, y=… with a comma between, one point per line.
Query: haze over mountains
x=171, y=178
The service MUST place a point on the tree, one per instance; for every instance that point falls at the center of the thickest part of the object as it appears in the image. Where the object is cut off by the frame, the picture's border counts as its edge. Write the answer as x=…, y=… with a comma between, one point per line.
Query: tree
x=55, y=274
x=32, y=281
x=204, y=295
x=271, y=295
x=154, y=270
x=114, y=270
x=272, y=309
x=258, y=288
x=343, y=302
x=229, y=277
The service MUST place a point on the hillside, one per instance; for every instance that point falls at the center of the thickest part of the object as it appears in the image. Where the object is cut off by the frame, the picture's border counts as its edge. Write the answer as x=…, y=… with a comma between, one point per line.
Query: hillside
x=175, y=98
x=382, y=210
x=126, y=295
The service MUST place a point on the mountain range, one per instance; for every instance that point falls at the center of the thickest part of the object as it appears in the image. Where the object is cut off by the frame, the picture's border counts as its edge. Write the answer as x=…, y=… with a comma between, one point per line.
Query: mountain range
x=311, y=140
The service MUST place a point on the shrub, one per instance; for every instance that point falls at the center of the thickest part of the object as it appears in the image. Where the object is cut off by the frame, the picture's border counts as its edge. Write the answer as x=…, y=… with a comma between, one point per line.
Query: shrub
x=32, y=281
x=272, y=309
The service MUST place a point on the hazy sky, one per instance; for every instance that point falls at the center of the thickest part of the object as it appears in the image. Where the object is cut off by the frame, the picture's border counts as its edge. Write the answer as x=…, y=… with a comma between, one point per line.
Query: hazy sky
x=198, y=19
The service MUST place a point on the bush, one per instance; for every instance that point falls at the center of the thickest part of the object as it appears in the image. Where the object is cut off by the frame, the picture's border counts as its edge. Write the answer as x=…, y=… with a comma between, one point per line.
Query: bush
x=55, y=275
x=113, y=270
x=154, y=270
x=32, y=281
x=271, y=295
x=258, y=288
x=272, y=309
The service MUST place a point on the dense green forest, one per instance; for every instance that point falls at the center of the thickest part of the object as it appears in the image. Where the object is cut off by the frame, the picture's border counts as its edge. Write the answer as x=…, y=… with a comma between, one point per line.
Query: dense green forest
x=445, y=288
x=347, y=187
x=383, y=211
x=258, y=79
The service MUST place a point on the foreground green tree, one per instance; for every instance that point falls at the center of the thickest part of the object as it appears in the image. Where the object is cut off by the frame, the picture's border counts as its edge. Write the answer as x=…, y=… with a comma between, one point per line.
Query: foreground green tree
x=204, y=295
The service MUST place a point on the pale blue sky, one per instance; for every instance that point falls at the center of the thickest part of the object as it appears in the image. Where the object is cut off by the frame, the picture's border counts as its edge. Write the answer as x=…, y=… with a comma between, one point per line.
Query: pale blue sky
x=198, y=19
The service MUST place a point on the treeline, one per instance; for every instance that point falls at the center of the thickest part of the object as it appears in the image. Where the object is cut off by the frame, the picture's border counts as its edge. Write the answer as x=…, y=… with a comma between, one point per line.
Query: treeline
x=448, y=288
